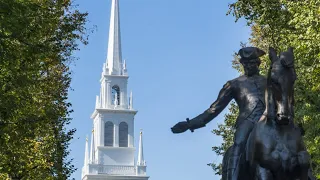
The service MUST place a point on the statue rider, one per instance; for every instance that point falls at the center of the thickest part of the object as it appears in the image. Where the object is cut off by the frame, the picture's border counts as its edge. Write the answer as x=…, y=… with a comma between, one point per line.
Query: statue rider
x=248, y=91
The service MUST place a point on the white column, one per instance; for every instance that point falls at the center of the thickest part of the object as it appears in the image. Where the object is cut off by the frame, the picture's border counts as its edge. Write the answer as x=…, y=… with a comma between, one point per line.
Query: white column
x=122, y=90
x=103, y=94
x=125, y=94
x=92, y=149
x=121, y=98
x=101, y=97
x=96, y=133
x=96, y=120
x=116, y=135
x=101, y=102
x=131, y=101
x=108, y=93
x=101, y=129
x=131, y=133
x=105, y=91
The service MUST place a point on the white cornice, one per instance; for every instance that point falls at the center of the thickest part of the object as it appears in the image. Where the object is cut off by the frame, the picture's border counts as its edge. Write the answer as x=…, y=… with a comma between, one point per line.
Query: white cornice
x=106, y=76
x=114, y=177
x=120, y=111
x=117, y=148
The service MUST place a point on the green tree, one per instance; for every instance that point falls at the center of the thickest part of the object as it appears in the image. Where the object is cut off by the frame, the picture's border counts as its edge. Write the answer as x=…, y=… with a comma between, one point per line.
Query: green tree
x=280, y=24
x=37, y=39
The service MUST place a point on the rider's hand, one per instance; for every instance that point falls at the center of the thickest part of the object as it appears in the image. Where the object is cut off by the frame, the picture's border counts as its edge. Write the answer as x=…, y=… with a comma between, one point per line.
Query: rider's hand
x=180, y=127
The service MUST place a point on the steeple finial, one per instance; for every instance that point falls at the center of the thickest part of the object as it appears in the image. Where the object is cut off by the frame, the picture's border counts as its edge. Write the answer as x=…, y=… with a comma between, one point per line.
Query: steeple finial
x=124, y=68
x=124, y=65
x=141, y=161
x=114, y=57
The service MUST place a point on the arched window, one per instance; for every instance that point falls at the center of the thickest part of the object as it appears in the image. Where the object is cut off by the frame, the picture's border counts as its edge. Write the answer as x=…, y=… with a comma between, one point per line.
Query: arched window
x=108, y=134
x=115, y=94
x=123, y=134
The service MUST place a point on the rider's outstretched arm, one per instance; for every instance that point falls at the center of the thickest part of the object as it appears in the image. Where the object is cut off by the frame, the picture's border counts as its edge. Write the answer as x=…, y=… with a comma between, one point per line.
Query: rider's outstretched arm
x=224, y=97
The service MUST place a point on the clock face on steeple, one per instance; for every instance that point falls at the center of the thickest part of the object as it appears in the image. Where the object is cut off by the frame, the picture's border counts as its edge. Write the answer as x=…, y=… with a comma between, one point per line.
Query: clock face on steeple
x=115, y=95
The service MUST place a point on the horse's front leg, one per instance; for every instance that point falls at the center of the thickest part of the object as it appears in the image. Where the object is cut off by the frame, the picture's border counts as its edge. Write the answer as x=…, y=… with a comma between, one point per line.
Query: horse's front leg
x=304, y=162
x=263, y=174
x=304, y=174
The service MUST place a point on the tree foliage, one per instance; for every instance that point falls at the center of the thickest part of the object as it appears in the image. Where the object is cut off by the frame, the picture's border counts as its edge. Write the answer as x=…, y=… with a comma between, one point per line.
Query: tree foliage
x=37, y=39
x=280, y=24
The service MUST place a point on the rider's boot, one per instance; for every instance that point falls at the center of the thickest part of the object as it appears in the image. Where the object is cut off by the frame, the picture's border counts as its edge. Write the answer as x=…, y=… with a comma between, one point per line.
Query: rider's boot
x=233, y=164
x=232, y=173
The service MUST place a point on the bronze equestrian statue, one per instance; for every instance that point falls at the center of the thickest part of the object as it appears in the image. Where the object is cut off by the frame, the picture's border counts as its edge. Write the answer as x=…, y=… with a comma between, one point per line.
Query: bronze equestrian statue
x=248, y=91
x=275, y=149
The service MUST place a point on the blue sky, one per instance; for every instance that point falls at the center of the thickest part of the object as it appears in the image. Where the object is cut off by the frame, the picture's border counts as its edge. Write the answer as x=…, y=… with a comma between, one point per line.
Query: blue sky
x=178, y=55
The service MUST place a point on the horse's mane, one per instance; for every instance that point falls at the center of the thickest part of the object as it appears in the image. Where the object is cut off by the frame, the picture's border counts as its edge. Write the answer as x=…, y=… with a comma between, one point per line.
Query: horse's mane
x=270, y=106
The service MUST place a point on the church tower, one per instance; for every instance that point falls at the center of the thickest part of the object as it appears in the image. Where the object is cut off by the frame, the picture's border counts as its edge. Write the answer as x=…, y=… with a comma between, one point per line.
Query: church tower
x=112, y=150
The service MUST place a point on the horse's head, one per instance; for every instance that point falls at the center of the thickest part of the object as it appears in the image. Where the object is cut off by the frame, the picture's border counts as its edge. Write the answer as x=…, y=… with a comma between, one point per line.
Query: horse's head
x=281, y=81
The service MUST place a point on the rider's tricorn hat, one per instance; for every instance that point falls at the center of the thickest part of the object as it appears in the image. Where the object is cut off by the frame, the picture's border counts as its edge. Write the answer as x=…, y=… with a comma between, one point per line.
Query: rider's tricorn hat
x=250, y=53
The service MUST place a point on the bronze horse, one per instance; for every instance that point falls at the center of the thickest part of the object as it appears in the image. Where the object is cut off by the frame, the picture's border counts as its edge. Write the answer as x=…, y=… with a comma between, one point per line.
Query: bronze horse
x=275, y=149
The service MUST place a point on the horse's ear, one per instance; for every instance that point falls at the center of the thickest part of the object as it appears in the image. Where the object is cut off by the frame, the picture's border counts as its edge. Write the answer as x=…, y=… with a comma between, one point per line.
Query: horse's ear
x=272, y=54
x=287, y=58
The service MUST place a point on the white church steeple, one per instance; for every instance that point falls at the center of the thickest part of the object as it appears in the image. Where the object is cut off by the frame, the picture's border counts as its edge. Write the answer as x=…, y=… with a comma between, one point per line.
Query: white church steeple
x=114, y=75
x=112, y=151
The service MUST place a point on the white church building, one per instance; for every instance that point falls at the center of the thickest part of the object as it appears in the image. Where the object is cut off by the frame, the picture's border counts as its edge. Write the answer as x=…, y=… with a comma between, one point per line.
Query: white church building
x=112, y=150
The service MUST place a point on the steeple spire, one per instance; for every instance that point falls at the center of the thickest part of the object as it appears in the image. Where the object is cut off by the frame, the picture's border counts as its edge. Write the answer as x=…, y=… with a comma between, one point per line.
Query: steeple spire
x=141, y=161
x=114, y=58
